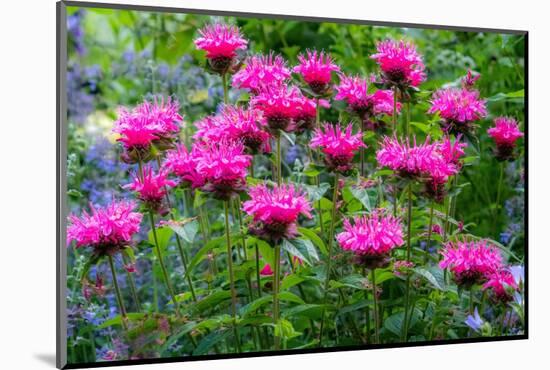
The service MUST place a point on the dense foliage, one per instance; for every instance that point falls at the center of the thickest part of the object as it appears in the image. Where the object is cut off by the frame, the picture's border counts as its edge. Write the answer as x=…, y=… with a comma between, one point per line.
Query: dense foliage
x=289, y=185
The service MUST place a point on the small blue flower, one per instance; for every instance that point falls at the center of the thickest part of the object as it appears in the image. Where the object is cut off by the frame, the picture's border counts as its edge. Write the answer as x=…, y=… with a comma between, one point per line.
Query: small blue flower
x=475, y=322
x=518, y=272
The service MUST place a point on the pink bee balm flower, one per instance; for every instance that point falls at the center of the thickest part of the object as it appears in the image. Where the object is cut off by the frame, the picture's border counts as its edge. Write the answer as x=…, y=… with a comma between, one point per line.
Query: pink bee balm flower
x=502, y=284
x=106, y=230
x=354, y=90
x=452, y=151
x=277, y=105
x=371, y=238
x=338, y=146
x=183, y=164
x=406, y=159
x=266, y=271
x=315, y=68
x=275, y=211
x=151, y=187
x=223, y=165
x=459, y=108
x=236, y=124
x=220, y=41
x=505, y=133
x=150, y=123
x=471, y=262
x=260, y=72
x=306, y=112
x=400, y=63
x=469, y=81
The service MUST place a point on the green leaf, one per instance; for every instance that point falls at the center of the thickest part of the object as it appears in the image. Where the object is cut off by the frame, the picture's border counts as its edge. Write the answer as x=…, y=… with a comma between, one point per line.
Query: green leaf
x=187, y=229
x=311, y=235
x=117, y=320
x=290, y=297
x=429, y=275
x=255, y=305
x=302, y=249
x=315, y=193
x=313, y=311
x=290, y=281
x=366, y=196
x=212, y=300
x=163, y=237
x=284, y=329
x=211, y=340
x=267, y=252
x=353, y=281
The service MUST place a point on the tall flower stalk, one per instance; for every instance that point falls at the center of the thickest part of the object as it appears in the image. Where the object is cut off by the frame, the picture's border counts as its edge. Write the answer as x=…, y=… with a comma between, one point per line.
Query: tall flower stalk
x=231, y=276
x=118, y=293
x=408, y=281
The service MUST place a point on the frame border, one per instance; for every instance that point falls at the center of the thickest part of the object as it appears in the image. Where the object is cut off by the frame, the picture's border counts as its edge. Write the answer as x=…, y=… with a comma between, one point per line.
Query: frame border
x=61, y=208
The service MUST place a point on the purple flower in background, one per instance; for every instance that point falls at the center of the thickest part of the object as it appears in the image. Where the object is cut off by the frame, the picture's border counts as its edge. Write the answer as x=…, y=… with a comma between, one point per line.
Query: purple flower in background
x=76, y=33
x=475, y=322
x=82, y=86
x=518, y=272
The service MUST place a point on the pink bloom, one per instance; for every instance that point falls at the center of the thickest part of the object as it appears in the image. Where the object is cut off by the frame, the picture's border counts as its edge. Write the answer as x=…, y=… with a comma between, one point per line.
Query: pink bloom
x=505, y=131
x=371, y=237
x=471, y=262
x=401, y=267
x=224, y=166
x=400, y=63
x=437, y=229
x=236, y=124
x=156, y=122
x=409, y=160
x=306, y=112
x=315, y=68
x=338, y=146
x=277, y=105
x=275, y=211
x=266, y=271
x=183, y=164
x=220, y=41
x=469, y=81
x=502, y=284
x=152, y=188
x=458, y=107
x=260, y=72
x=354, y=90
x=106, y=230
x=451, y=151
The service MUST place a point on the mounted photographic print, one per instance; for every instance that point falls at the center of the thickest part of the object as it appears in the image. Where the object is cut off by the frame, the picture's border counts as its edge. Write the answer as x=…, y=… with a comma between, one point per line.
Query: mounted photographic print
x=235, y=185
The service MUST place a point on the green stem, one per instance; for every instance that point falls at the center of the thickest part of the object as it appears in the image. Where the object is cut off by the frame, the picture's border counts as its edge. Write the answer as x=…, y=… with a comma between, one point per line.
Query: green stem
x=408, y=283
x=162, y=265
x=367, y=311
x=317, y=179
x=231, y=276
x=471, y=300
x=329, y=257
x=497, y=205
x=279, y=172
x=408, y=119
x=375, y=308
x=118, y=294
x=225, y=92
x=362, y=152
x=276, y=281
x=394, y=116
x=430, y=225
x=132, y=284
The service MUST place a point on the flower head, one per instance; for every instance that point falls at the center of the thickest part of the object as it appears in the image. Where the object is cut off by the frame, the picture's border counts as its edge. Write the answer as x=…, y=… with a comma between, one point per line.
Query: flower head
x=261, y=71
x=474, y=321
x=275, y=211
x=413, y=161
x=471, y=262
x=151, y=187
x=400, y=63
x=339, y=146
x=183, y=164
x=315, y=68
x=223, y=164
x=354, y=90
x=459, y=108
x=150, y=123
x=306, y=112
x=469, y=81
x=277, y=105
x=107, y=230
x=371, y=237
x=236, y=124
x=505, y=133
x=502, y=286
x=220, y=41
